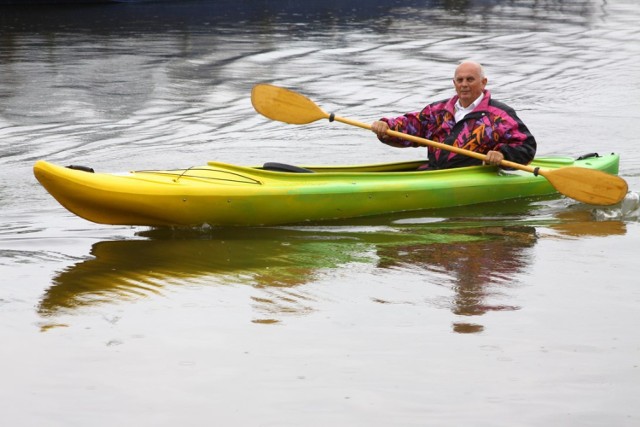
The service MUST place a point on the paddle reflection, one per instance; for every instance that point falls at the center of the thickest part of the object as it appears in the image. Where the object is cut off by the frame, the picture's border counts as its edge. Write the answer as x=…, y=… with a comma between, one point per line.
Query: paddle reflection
x=479, y=265
x=580, y=223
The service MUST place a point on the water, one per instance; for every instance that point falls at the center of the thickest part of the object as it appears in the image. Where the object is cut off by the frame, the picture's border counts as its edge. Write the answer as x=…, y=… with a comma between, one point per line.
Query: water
x=518, y=313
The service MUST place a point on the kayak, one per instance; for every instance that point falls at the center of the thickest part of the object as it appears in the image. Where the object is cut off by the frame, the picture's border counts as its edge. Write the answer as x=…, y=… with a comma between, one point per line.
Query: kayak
x=220, y=194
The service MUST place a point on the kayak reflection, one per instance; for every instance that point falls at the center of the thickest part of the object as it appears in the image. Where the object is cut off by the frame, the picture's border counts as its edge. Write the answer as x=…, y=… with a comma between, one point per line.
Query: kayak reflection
x=477, y=264
x=272, y=260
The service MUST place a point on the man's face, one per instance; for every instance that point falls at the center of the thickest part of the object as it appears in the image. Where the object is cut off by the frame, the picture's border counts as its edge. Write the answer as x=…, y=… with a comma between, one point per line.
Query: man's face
x=468, y=83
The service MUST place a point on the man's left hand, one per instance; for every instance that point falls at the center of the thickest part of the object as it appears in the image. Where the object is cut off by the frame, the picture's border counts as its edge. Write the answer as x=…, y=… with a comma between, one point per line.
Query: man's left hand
x=494, y=158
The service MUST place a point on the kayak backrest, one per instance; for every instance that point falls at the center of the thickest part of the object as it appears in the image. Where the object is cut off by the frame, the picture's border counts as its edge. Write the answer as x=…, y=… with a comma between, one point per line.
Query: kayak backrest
x=282, y=167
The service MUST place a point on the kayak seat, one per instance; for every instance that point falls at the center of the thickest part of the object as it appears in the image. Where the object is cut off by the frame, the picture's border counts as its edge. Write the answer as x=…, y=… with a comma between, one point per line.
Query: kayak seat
x=281, y=167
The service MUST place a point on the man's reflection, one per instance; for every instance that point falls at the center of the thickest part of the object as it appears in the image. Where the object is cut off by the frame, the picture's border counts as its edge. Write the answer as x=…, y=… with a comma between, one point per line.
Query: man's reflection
x=477, y=269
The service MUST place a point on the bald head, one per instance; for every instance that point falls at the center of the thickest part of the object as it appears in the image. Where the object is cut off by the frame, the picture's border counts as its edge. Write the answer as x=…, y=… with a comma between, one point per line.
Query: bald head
x=470, y=66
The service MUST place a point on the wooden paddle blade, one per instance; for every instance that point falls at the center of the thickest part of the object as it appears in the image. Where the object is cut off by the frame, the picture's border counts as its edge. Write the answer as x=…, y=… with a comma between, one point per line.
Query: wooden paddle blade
x=283, y=105
x=587, y=185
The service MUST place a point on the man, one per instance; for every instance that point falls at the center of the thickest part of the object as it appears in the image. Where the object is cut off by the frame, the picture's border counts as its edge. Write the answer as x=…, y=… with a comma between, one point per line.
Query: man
x=471, y=120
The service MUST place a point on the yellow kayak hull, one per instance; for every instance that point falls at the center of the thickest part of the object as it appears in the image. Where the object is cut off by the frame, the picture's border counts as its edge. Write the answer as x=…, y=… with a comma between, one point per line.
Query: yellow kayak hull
x=221, y=194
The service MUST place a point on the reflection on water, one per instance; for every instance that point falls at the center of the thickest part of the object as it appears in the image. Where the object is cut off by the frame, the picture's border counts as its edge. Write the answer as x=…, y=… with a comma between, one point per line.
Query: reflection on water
x=269, y=259
x=479, y=260
x=582, y=224
x=476, y=269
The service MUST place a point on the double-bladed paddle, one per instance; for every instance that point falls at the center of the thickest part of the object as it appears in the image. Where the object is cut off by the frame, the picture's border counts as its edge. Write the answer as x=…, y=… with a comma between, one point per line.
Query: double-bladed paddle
x=585, y=185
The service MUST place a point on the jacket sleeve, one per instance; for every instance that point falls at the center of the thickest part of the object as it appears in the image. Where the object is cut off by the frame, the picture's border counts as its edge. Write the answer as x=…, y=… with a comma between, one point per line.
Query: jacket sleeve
x=409, y=123
x=515, y=141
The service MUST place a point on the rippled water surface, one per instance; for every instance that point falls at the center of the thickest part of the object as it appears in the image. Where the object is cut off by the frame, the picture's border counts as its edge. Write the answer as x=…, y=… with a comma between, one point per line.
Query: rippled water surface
x=518, y=313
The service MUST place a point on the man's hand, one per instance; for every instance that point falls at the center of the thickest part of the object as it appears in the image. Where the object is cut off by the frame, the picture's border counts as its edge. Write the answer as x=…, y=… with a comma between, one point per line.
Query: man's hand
x=380, y=128
x=494, y=158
